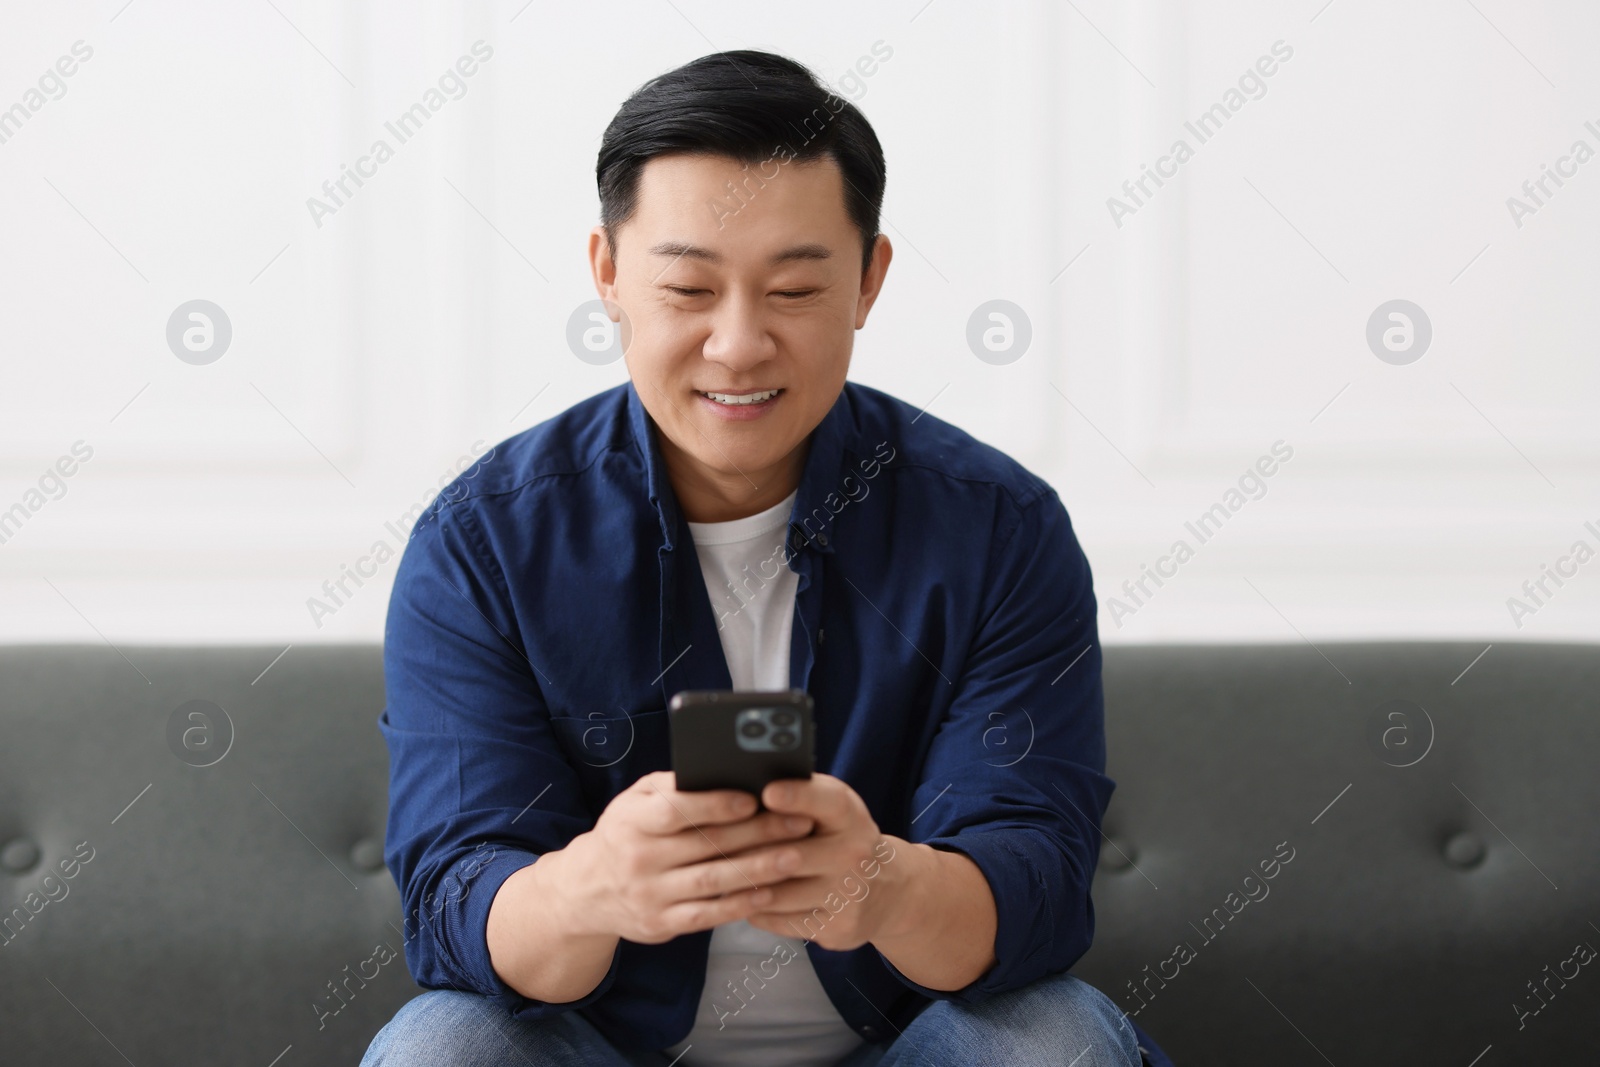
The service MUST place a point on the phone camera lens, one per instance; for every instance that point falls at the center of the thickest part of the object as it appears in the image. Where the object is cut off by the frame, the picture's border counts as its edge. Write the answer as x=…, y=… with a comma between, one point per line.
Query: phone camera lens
x=783, y=739
x=753, y=728
x=783, y=718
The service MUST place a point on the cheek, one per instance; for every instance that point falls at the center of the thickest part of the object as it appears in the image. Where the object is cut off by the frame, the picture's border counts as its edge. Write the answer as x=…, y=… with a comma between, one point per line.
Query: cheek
x=826, y=359
x=822, y=339
x=660, y=345
x=653, y=320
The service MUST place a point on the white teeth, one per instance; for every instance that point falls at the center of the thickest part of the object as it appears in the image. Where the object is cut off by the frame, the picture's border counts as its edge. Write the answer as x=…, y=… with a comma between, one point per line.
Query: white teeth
x=742, y=398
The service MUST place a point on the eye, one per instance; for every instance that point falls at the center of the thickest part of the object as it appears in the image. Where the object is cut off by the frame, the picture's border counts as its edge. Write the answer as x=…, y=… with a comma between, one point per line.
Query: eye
x=795, y=294
x=684, y=291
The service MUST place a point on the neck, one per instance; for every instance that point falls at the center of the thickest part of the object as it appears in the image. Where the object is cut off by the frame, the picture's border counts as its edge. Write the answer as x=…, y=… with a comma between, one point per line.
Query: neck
x=707, y=495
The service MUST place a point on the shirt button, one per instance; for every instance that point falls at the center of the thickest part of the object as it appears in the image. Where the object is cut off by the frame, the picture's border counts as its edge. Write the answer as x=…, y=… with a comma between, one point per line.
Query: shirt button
x=822, y=539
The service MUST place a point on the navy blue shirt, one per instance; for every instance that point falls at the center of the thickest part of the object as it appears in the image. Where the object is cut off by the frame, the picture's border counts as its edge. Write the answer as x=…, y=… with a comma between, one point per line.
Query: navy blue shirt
x=551, y=601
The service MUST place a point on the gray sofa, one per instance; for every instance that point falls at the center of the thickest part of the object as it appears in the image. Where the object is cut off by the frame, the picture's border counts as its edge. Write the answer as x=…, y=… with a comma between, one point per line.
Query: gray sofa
x=1368, y=859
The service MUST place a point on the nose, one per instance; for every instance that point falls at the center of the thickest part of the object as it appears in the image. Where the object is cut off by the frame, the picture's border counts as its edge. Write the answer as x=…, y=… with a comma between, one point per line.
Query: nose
x=739, y=338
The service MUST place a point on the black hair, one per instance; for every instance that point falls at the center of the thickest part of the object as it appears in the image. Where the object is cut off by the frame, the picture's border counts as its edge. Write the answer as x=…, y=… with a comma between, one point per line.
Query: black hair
x=752, y=107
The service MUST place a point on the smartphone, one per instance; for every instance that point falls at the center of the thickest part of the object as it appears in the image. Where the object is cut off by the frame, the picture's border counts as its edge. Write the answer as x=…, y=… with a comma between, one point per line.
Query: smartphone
x=732, y=739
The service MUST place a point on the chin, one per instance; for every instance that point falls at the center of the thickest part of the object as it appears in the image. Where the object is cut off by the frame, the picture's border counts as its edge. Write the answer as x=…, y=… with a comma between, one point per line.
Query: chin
x=736, y=464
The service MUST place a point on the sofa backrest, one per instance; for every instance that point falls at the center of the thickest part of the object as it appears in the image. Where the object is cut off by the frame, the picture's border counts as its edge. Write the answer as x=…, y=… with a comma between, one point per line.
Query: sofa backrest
x=1443, y=832
x=191, y=853
x=222, y=905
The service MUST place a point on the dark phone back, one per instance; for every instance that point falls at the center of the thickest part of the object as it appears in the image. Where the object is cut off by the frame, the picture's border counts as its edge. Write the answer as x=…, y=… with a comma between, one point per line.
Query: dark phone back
x=706, y=749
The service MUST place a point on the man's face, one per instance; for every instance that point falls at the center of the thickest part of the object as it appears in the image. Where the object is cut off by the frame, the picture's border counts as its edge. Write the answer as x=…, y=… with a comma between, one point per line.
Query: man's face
x=743, y=312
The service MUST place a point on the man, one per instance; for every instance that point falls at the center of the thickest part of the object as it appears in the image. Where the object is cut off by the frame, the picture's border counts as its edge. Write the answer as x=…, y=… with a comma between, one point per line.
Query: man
x=738, y=515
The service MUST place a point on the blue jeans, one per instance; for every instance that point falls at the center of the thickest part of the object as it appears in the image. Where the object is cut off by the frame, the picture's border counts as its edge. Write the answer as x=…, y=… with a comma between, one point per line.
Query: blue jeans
x=1058, y=1021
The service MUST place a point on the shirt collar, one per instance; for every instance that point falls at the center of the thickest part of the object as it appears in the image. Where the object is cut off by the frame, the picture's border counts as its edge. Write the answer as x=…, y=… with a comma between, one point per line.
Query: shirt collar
x=808, y=523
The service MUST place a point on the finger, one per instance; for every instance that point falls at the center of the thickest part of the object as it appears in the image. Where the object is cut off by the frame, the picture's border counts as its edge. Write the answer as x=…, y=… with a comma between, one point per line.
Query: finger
x=750, y=870
x=694, y=915
x=665, y=809
x=829, y=800
x=804, y=925
x=730, y=839
x=802, y=894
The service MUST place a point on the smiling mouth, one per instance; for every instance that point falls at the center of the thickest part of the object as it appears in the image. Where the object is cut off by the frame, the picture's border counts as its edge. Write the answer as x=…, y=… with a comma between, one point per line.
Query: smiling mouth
x=741, y=399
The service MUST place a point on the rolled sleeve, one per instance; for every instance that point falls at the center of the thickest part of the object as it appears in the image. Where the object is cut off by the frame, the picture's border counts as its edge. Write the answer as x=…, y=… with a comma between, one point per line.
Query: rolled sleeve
x=478, y=785
x=1015, y=776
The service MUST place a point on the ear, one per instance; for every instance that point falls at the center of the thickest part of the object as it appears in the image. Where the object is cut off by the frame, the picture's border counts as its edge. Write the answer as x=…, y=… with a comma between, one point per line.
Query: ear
x=602, y=265
x=872, y=277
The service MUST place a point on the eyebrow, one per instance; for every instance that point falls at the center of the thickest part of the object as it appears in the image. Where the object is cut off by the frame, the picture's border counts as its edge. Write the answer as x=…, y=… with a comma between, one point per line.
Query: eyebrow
x=682, y=249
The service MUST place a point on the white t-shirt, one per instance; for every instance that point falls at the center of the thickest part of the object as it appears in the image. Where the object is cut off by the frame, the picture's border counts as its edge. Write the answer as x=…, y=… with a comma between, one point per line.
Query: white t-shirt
x=762, y=1001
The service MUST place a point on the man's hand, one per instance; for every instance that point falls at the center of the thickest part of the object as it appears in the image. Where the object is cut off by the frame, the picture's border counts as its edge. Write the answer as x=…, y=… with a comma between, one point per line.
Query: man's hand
x=657, y=864
x=840, y=894
x=660, y=862
x=929, y=911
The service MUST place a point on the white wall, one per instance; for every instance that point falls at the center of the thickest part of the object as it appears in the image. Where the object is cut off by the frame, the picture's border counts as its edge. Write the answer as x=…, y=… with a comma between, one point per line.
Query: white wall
x=1226, y=313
